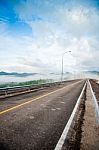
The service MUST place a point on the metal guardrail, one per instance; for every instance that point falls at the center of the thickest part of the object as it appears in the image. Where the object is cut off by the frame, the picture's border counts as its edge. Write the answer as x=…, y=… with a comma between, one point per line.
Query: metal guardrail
x=18, y=87
x=95, y=102
x=15, y=87
x=11, y=91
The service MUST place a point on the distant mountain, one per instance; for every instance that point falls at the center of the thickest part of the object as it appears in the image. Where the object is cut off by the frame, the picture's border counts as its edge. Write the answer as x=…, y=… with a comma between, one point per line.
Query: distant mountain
x=2, y=73
x=53, y=73
x=16, y=74
x=93, y=72
x=68, y=73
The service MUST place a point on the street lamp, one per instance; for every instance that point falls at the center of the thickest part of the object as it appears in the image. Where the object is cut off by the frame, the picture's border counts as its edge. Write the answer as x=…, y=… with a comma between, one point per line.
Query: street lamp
x=62, y=64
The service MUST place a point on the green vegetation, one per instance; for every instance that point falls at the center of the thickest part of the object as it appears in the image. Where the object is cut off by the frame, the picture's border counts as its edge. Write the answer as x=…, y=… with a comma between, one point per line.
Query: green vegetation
x=34, y=82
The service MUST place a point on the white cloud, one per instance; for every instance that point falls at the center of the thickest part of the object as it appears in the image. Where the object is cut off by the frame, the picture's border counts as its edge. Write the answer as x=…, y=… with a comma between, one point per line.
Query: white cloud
x=64, y=29
x=3, y=28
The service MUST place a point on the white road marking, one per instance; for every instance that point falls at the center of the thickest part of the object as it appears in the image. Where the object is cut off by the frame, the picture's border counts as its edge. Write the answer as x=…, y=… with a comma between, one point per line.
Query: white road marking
x=58, y=108
x=53, y=109
x=62, y=102
x=31, y=117
x=28, y=108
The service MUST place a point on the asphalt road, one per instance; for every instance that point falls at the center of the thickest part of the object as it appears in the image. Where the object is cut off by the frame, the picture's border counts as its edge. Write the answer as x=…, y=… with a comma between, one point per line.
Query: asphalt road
x=35, y=121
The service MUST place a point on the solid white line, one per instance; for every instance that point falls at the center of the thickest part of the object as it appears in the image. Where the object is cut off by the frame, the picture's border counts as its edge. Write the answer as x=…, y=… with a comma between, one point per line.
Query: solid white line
x=95, y=102
x=68, y=125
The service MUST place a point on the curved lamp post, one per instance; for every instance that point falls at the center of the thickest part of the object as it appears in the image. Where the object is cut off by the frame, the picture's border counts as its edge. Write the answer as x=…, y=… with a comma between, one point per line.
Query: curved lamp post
x=63, y=64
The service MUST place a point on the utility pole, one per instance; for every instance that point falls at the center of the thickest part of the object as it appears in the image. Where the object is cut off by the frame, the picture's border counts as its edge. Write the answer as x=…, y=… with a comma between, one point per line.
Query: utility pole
x=62, y=72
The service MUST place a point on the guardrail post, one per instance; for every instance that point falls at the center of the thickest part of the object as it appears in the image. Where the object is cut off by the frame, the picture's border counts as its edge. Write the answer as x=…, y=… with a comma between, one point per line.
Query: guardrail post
x=5, y=92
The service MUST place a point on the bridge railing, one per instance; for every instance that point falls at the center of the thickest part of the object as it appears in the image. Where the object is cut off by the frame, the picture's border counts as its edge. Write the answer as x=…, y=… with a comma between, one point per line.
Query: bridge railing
x=4, y=92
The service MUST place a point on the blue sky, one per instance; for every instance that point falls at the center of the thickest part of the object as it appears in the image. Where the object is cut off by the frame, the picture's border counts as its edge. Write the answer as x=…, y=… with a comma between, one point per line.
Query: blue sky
x=35, y=33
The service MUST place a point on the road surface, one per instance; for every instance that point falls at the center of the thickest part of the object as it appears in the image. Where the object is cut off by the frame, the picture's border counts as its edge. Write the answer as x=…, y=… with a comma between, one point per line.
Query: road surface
x=35, y=121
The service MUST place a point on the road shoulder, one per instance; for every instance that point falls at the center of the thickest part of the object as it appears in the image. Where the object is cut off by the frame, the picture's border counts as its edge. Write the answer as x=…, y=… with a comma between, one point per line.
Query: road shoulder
x=90, y=128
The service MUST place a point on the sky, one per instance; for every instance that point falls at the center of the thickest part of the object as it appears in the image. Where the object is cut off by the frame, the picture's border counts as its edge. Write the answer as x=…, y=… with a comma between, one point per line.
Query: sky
x=34, y=34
